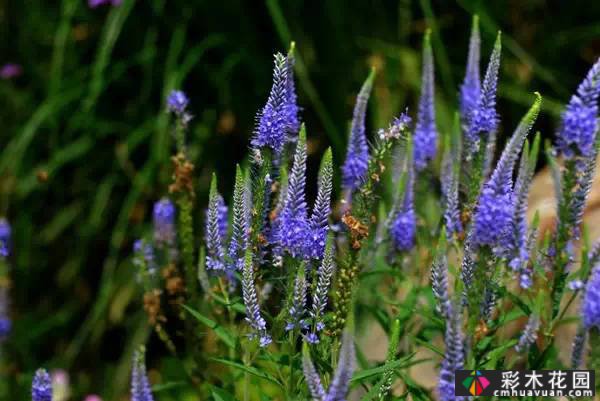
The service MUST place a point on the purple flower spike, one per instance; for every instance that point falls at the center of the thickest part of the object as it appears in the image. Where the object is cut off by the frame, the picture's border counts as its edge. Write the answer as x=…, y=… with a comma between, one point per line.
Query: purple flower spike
x=495, y=207
x=41, y=387
x=273, y=120
x=470, y=89
x=311, y=376
x=319, y=219
x=140, y=386
x=591, y=301
x=214, y=238
x=293, y=224
x=164, y=223
x=240, y=222
x=253, y=315
x=291, y=109
x=425, y=137
x=340, y=384
x=357, y=156
x=454, y=356
x=529, y=334
x=298, y=308
x=484, y=118
x=404, y=224
x=320, y=294
x=577, y=132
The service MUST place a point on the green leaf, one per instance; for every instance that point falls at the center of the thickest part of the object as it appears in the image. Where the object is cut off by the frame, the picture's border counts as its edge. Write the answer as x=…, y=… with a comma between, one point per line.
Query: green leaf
x=219, y=330
x=248, y=369
x=222, y=395
x=368, y=373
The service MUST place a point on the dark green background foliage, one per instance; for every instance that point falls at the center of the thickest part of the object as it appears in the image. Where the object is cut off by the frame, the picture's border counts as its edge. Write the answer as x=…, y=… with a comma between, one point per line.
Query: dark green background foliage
x=89, y=111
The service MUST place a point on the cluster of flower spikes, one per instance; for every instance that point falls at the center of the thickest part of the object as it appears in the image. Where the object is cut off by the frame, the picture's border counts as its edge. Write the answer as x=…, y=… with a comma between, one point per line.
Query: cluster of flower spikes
x=577, y=132
x=294, y=231
x=340, y=383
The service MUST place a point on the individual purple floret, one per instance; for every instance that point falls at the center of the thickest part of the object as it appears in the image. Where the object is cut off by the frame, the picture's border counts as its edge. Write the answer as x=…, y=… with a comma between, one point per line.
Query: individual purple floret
x=495, y=206
x=253, y=315
x=293, y=225
x=484, y=118
x=575, y=285
x=177, y=102
x=577, y=132
x=41, y=387
x=319, y=219
x=591, y=301
x=240, y=222
x=454, y=355
x=140, y=386
x=163, y=217
x=425, y=136
x=215, y=253
x=297, y=309
x=470, y=89
x=529, y=334
x=357, y=156
x=273, y=120
x=404, y=224
x=5, y=238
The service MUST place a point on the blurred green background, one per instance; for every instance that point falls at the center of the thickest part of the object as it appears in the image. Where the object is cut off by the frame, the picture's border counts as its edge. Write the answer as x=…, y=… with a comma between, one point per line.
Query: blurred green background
x=85, y=143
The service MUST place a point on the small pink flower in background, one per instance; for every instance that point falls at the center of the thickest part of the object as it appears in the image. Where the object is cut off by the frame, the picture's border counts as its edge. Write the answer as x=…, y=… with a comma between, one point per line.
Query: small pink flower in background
x=93, y=397
x=10, y=70
x=61, y=388
x=96, y=3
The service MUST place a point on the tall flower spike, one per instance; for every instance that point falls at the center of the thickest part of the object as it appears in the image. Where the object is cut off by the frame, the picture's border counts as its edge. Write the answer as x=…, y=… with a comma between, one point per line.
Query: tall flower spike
x=578, y=348
x=293, y=222
x=577, y=132
x=450, y=177
x=144, y=257
x=319, y=219
x=41, y=387
x=272, y=123
x=164, y=223
x=591, y=301
x=319, y=296
x=240, y=221
x=584, y=187
x=291, y=103
x=495, y=208
x=357, y=156
x=529, y=334
x=253, y=316
x=5, y=238
x=297, y=309
x=140, y=386
x=454, y=355
x=439, y=276
x=519, y=252
x=311, y=376
x=340, y=384
x=470, y=89
x=425, y=136
x=214, y=240
x=484, y=118
x=404, y=225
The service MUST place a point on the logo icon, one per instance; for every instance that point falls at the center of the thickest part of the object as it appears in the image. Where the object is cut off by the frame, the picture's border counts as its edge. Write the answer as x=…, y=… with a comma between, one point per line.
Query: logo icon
x=476, y=383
